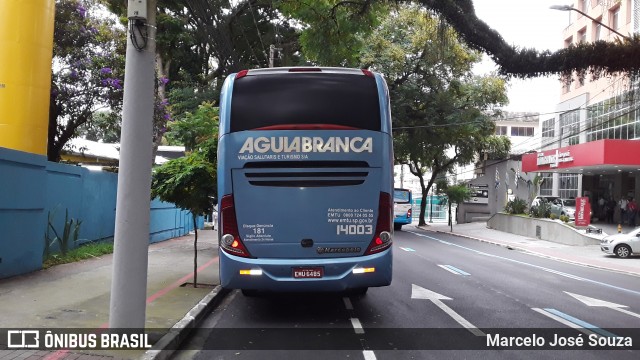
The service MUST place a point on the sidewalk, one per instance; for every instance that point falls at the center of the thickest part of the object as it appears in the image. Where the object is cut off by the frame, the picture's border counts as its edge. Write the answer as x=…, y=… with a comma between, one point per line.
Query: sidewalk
x=589, y=255
x=77, y=295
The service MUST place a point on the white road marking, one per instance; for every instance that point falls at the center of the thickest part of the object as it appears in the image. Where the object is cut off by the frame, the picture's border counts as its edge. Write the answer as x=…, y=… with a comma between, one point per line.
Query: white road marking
x=357, y=327
x=589, y=301
x=418, y=292
x=563, y=321
x=369, y=355
x=625, y=311
x=528, y=264
x=347, y=303
x=449, y=270
x=454, y=270
x=574, y=322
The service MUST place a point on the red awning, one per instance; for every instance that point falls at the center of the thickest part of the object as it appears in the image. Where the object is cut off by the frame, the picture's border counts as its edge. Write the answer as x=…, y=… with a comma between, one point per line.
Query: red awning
x=596, y=157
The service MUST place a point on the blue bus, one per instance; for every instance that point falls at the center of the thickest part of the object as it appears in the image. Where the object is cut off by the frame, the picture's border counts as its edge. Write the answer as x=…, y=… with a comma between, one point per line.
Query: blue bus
x=402, y=210
x=305, y=180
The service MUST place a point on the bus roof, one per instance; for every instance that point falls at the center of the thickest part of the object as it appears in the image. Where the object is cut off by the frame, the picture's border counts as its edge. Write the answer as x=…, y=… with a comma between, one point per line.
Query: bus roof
x=302, y=69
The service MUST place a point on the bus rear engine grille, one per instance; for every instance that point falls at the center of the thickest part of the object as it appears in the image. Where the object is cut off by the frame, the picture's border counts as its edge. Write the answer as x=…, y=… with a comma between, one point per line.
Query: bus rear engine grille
x=307, y=178
x=306, y=164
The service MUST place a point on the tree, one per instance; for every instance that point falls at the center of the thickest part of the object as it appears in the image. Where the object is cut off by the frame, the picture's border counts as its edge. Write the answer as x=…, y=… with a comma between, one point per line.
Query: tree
x=191, y=182
x=441, y=113
x=496, y=147
x=599, y=58
x=456, y=194
x=334, y=24
x=103, y=126
x=88, y=70
x=195, y=128
x=200, y=42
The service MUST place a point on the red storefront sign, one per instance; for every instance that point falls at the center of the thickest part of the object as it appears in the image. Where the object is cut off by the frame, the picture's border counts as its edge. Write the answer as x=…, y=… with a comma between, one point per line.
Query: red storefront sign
x=583, y=211
x=587, y=155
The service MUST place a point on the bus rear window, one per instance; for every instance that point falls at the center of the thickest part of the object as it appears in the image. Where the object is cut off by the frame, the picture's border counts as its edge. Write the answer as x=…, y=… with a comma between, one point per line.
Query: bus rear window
x=401, y=196
x=275, y=100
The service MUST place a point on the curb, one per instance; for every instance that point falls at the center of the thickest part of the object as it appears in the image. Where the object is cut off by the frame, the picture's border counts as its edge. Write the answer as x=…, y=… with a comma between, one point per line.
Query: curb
x=168, y=344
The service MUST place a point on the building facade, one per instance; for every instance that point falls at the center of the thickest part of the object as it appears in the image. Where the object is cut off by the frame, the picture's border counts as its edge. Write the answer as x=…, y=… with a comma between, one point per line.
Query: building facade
x=523, y=131
x=591, y=147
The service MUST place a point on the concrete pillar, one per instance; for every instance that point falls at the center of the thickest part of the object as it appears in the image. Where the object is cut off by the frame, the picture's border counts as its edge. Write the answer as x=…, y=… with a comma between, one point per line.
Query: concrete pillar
x=131, y=238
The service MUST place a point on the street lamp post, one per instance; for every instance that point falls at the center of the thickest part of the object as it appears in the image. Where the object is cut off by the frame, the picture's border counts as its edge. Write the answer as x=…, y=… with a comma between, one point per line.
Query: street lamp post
x=569, y=8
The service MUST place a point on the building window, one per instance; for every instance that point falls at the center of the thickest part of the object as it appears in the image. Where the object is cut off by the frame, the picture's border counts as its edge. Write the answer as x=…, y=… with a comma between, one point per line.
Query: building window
x=546, y=188
x=584, y=5
x=548, y=128
x=568, y=188
x=582, y=35
x=501, y=130
x=570, y=128
x=568, y=41
x=521, y=131
x=597, y=30
x=614, y=118
x=614, y=18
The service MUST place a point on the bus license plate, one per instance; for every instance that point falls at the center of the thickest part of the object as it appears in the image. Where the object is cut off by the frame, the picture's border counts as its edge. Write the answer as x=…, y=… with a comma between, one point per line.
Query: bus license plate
x=308, y=273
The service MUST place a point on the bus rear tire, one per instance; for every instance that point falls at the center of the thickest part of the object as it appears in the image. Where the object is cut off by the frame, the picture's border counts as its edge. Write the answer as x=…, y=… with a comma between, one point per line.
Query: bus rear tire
x=397, y=226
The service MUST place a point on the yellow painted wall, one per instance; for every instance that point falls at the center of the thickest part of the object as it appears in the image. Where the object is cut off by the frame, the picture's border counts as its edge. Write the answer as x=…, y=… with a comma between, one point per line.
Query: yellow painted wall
x=26, y=47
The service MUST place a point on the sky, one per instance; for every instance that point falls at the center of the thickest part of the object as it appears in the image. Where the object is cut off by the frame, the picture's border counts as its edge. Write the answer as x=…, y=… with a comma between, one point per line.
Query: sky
x=526, y=24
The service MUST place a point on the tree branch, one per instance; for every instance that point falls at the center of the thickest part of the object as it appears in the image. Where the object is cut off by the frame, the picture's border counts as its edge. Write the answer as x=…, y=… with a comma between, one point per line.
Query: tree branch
x=600, y=57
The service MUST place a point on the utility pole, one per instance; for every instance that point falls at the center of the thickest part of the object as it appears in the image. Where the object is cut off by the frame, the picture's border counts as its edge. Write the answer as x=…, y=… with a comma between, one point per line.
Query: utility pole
x=131, y=239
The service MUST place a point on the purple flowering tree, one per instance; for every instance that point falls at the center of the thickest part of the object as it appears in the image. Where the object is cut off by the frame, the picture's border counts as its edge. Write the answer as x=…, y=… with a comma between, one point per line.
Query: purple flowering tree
x=88, y=70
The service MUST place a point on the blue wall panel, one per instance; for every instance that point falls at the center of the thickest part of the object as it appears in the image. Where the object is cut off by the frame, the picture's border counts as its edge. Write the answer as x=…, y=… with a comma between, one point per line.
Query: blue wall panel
x=22, y=215
x=64, y=194
x=31, y=188
x=98, y=205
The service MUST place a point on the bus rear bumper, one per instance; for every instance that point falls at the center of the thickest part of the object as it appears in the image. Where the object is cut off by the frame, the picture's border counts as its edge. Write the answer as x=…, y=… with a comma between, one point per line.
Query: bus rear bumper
x=338, y=274
x=403, y=221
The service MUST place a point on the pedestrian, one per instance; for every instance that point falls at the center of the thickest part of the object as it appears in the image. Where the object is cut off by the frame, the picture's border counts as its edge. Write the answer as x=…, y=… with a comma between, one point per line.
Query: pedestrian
x=601, y=209
x=623, y=209
x=632, y=210
x=610, y=209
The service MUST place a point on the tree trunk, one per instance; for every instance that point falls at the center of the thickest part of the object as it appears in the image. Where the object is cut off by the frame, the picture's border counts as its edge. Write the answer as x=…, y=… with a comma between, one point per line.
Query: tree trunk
x=450, y=219
x=162, y=72
x=415, y=170
x=195, y=253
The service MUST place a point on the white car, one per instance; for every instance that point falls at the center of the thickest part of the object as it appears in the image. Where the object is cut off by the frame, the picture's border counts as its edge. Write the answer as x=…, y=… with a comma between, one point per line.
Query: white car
x=622, y=245
x=567, y=207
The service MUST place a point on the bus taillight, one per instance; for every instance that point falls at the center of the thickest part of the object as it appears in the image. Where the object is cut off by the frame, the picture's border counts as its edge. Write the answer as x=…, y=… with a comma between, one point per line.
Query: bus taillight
x=409, y=214
x=382, y=238
x=230, y=240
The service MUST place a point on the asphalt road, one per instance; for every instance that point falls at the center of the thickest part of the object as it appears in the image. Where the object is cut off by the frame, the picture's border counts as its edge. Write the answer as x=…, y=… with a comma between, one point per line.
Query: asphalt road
x=448, y=297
